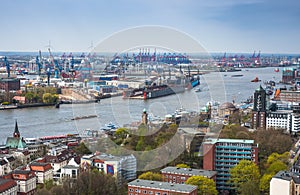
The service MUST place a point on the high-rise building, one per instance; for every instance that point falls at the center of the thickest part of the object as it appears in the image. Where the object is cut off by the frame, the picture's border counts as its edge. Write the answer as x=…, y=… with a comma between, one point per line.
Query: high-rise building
x=259, y=108
x=222, y=154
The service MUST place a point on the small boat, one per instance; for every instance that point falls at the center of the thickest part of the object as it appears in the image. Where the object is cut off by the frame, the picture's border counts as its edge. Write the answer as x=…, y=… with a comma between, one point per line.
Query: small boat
x=256, y=80
x=237, y=75
x=276, y=70
x=197, y=90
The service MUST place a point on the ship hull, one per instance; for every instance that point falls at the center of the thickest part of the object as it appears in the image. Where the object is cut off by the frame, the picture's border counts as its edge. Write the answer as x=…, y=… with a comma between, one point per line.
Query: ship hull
x=153, y=92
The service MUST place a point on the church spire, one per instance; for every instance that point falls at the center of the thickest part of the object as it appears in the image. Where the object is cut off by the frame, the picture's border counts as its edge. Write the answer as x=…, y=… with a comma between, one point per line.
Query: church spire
x=16, y=132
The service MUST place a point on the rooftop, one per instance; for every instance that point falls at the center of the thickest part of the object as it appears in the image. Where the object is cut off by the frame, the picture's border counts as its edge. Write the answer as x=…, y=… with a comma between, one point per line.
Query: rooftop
x=6, y=184
x=189, y=171
x=162, y=185
x=213, y=141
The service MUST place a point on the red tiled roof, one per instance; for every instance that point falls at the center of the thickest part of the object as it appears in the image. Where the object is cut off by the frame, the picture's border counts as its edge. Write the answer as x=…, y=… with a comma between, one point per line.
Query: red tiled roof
x=6, y=184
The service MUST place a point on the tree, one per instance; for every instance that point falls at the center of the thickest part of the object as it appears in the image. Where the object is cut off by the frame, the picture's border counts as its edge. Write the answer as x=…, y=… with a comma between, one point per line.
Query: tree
x=48, y=98
x=183, y=166
x=243, y=172
x=121, y=133
x=284, y=158
x=205, y=185
x=250, y=188
x=151, y=176
x=82, y=149
x=264, y=184
x=48, y=184
x=93, y=182
x=276, y=167
x=29, y=97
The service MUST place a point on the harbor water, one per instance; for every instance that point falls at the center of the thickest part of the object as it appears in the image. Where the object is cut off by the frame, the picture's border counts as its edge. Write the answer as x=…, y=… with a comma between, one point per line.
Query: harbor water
x=216, y=86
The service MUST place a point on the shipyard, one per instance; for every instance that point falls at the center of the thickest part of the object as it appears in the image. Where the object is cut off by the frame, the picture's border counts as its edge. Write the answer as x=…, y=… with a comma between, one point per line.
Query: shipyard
x=149, y=97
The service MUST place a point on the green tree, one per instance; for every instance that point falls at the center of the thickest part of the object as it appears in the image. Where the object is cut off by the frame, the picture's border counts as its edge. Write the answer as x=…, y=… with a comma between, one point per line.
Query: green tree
x=82, y=149
x=48, y=98
x=205, y=185
x=264, y=184
x=48, y=184
x=284, y=157
x=183, y=166
x=121, y=133
x=276, y=167
x=29, y=97
x=243, y=172
x=250, y=188
x=151, y=176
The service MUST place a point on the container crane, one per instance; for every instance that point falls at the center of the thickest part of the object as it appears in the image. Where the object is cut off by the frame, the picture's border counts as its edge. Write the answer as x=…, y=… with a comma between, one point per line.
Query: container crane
x=55, y=65
x=37, y=61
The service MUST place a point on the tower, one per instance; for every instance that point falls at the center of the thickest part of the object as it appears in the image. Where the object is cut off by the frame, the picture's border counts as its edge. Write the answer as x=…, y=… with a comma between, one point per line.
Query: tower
x=259, y=108
x=145, y=117
x=16, y=132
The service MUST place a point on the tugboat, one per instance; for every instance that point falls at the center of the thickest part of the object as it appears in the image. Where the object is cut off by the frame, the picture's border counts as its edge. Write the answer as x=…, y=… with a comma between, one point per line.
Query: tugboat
x=256, y=80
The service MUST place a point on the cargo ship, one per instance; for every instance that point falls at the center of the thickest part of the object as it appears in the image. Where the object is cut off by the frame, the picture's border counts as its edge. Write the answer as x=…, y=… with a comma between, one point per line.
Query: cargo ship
x=153, y=91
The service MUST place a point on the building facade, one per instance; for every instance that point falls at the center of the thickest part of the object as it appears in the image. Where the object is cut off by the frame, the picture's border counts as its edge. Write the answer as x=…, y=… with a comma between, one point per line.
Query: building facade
x=259, y=109
x=8, y=187
x=142, y=187
x=180, y=175
x=222, y=154
x=43, y=171
x=285, y=183
x=9, y=84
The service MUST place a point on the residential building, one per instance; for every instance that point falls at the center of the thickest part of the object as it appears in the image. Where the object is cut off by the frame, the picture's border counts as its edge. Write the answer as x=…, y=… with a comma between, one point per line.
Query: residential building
x=259, y=108
x=141, y=187
x=43, y=171
x=25, y=179
x=69, y=171
x=285, y=183
x=180, y=175
x=58, y=160
x=222, y=154
x=284, y=119
x=7, y=164
x=8, y=187
x=121, y=167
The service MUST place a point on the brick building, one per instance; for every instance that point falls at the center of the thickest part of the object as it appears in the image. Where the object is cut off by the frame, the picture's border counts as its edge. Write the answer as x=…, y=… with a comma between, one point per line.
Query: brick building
x=9, y=84
x=141, y=187
x=180, y=175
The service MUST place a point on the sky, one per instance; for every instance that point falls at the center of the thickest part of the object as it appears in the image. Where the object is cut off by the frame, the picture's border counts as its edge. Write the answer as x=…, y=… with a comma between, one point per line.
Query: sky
x=243, y=26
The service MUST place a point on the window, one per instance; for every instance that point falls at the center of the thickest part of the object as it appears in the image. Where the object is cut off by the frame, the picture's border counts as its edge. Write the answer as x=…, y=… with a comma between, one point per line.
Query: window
x=150, y=192
x=157, y=193
x=145, y=191
x=130, y=190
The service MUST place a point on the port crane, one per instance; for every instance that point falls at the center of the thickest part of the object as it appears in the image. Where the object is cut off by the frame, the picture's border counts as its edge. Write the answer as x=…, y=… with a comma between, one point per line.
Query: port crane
x=57, y=69
x=37, y=61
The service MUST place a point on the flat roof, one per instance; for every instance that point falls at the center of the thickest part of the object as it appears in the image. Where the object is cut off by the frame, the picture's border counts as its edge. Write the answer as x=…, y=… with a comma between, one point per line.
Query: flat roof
x=162, y=185
x=213, y=141
x=189, y=171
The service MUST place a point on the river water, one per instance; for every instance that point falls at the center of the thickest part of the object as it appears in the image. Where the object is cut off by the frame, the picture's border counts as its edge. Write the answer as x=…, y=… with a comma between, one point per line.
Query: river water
x=46, y=121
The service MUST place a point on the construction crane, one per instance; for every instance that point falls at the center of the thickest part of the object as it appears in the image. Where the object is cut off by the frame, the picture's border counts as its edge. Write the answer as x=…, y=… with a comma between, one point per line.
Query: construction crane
x=7, y=66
